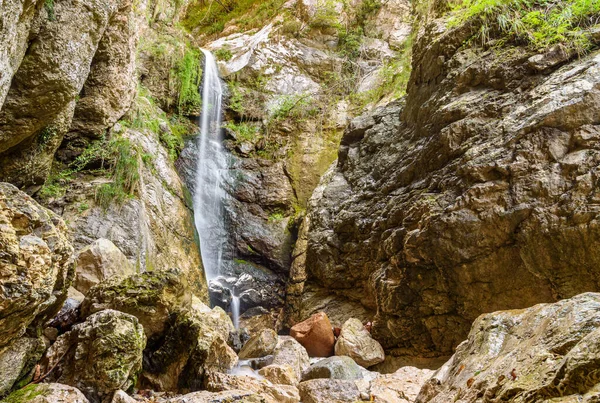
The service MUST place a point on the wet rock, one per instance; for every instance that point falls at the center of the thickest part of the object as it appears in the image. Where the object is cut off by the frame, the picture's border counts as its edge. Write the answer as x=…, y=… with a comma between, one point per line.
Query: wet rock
x=260, y=345
x=328, y=390
x=316, y=335
x=217, y=382
x=290, y=352
x=67, y=316
x=548, y=352
x=48, y=393
x=113, y=341
x=402, y=386
x=100, y=261
x=36, y=263
x=356, y=342
x=280, y=374
x=343, y=368
x=152, y=297
x=17, y=362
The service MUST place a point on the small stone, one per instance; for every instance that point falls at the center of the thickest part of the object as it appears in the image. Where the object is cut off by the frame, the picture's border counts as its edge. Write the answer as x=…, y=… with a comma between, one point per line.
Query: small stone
x=316, y=335
x=260, y=345
x=356, y=342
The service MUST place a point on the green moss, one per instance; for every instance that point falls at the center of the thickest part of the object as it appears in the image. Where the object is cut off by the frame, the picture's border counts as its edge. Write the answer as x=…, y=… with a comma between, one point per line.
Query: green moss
x=27, y=394
x=223, y=54
x=538, y=23
x=189, y=73
x=49, y=6
x=276, y=217
x=244, y=131
x=46, y=135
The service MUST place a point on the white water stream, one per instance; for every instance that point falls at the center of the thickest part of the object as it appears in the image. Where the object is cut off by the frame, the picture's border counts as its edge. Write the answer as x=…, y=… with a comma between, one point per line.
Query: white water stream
x=210, y=177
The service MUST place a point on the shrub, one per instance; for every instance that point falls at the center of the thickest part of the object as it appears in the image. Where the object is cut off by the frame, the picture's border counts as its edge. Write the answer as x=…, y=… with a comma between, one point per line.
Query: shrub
x=189, y=73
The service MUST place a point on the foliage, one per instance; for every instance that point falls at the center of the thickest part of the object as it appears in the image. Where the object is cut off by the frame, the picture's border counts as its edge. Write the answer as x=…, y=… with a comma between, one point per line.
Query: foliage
x=236, y=97
x=276, y=217
x=49, y=6
x=223, y=54
x=56, y=184
x=244, y=131
x=326, y=16
x=538, y=23
x=125, y=175
x=189, y=73
x=46, y=135
x=294, y=106
x=209, y=16
x=26, y=394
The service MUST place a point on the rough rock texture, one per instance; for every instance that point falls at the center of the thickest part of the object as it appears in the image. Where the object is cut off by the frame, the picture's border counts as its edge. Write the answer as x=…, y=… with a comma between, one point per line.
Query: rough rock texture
x=259, y=345
x=328, y=390
x=316, y=335
x=98, y=262
x=221, y=357
x=549, y=352
x=343, y=368
x=218, y=382
x=49, y=393
x=35, y=260
x=475, y=193
x=402, y=386
x=17, y=362
x=290, y=352
x=279, y=374
x=99, y=356
x=356, y=342
x=41, y=101
x=228, y=396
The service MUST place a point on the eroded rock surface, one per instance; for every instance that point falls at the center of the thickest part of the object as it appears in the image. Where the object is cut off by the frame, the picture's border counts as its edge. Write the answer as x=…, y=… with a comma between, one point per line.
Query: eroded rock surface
x=548, y=352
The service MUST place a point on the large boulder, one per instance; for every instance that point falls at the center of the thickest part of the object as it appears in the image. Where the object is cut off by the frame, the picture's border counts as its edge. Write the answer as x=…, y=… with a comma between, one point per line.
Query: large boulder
x=37, y=269
x=99, y=356
x=472, y=194
x=47, y=393
x=329, y=390
x=316, y=335
x=100, y=261
x=291, y=353
x=228, y=396
x=17, y=362
x=343, y=368
x=356, y=342
x=402, y=386
x=549, y=352
x=271, y=393
x=260, y=345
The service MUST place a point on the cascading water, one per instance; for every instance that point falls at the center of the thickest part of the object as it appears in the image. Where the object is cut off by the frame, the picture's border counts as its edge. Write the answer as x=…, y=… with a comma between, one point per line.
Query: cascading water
x=210, y=177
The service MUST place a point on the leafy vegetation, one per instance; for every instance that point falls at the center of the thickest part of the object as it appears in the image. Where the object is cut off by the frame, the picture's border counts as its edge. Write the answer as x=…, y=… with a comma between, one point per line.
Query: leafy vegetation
x=189, y=73
x=46, y=135
x=209, y=17
x=26, y=394
x=538, y=23
x=49, y=6
x=244, y=131
x=294, y=106
x=223, y=54
x=125, y=175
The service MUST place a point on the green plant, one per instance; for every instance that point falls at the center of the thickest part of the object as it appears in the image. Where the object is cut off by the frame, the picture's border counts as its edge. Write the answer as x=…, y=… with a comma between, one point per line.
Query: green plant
x=294, y=106
x=26, y=394
x=276, y=217
x=82, y=207
x=538, y=23
x=244, y=131
x=46, y=134
x=223, y=54
x=49, y=6
x=56, y=184
x=189, y=74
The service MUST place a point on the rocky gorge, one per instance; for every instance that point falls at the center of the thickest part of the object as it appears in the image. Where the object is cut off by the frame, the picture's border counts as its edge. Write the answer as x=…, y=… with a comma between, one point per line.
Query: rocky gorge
x=408, y=197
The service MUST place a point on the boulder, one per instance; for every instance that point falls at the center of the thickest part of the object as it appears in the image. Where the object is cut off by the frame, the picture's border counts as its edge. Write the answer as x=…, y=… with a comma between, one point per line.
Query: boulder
x=402, y=386
x=110, y=340
x=356, y=342
x=290, y=352
x=228, y=396
x=218, y=382
x=260, y=345
x=328, y=390
x=283, y=374
x=549, y=352
x=343, y=368
x=122, y=397
x=47, y=393
x=152, y=297
x=17, y=362
x=316, y=335
x=221, y=357
x=98, y=262
x=35, y=256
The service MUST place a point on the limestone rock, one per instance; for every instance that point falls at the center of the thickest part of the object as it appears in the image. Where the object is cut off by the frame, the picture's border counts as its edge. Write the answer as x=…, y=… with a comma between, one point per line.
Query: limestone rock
x=283, y=374
x=228, y=396
x=99, y=261
x=221, y=357
x=122, y=397
x=17, y=362
x=260, y=345
x=290, y=352
x=48, y=393
x=151, y=297
x=217, y=382
x=343, y=368
x=328, y=390
x=113, y=341
x=36, y=263
x=356, y=342
x=548, y=352
x=316, y=335
x=402, y=386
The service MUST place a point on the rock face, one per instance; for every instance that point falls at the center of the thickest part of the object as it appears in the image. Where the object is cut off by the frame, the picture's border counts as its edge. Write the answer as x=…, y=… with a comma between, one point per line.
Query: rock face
x=100, y=261
x=112, y=342
x=473, y=194
x=260, y=345
x=356, y=342
x=17, y=362
x=548, y=352
x=316, y=335
x=36, y=264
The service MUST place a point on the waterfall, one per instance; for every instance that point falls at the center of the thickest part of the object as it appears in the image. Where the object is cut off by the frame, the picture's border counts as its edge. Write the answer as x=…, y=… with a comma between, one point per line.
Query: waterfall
x=235, y=311
x=210, y=177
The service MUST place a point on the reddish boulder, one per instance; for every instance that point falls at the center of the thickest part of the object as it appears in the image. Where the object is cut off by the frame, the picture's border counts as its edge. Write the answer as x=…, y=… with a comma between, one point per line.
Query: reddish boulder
x=316, y=335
